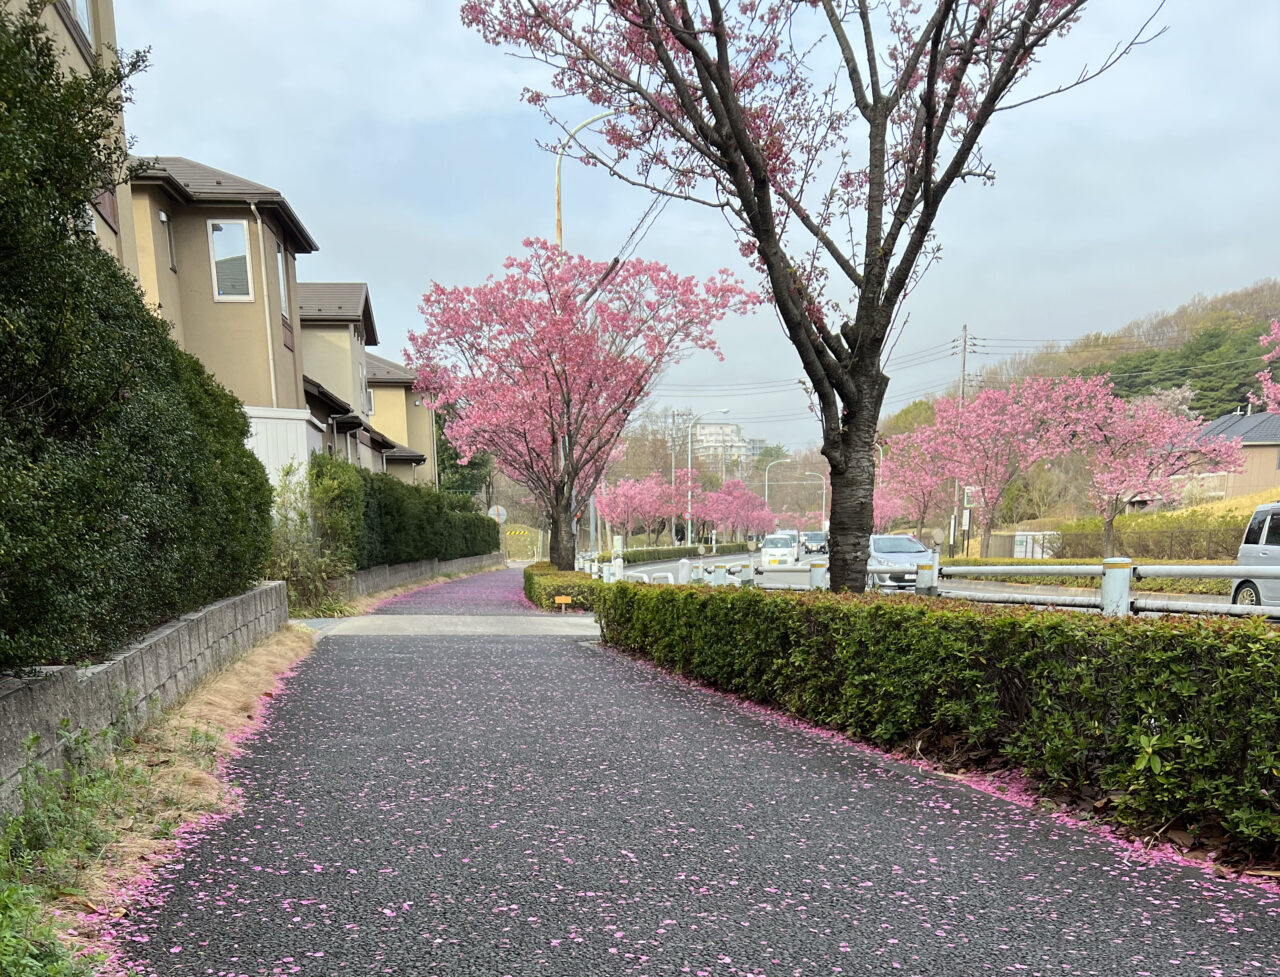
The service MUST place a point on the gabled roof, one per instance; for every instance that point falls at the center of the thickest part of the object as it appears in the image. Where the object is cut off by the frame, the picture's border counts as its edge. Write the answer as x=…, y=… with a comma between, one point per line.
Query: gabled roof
x=1258, y=428
x=338, y=302
x=387, y=373
x=190, y=182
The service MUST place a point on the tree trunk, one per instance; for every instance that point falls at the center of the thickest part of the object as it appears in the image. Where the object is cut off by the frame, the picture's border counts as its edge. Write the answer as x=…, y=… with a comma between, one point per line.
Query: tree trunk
x=1108, y=536
x=562, y=540
x=852, y=507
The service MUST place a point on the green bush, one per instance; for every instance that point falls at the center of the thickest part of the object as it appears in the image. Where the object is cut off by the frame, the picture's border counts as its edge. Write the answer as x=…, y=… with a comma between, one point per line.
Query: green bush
x=543, y=583
x=374, y=518
x=303, y=554
x=653, y=554
x=1158, y=585
x=1171, y=720
x=1174, y=536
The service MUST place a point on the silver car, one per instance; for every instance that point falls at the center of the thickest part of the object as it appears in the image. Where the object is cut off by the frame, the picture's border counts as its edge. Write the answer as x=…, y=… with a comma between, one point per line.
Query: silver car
x=1261, y=548
x=891, y=564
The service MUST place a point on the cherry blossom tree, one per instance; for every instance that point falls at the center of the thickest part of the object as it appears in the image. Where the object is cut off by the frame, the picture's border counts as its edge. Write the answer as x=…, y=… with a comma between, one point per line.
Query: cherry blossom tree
x=987, y=442
x=1270, y=389
x=890, y=506
x=736, y=509
x=913, y=479
x=1139, y=450
x=827, y=132
x=543, y=366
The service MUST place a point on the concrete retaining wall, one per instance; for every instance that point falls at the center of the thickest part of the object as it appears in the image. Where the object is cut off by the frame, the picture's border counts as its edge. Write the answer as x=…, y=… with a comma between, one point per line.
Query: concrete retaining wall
x=399, y=574
x=145, y=678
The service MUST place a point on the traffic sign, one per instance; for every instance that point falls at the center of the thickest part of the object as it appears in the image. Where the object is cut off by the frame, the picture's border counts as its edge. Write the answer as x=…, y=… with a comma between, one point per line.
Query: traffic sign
x=498, y=514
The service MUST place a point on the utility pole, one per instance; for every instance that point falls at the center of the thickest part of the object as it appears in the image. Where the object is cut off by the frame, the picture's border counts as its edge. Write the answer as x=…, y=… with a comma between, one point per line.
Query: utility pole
x=955, y=515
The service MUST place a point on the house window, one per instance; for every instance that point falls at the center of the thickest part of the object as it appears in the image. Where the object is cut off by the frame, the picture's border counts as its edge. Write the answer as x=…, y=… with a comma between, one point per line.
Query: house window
x=168, y=236
x=282, y=272
x=366, y=395
x=229, y=258
x=84, y=17
x=105, y=202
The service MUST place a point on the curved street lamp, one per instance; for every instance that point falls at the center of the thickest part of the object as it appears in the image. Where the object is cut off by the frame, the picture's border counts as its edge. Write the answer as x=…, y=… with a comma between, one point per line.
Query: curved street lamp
x=766, y=478
x=822, y=512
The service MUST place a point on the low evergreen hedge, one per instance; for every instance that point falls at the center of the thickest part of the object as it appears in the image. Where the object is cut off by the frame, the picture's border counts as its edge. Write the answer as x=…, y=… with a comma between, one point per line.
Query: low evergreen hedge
x=543, y=583
x=1156, y=585
x=654, y=554
x=374, y=518
x=1169, y=720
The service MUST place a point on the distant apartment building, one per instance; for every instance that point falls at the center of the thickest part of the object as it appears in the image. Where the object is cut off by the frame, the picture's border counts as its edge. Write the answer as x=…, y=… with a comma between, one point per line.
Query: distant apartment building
x=216, y=256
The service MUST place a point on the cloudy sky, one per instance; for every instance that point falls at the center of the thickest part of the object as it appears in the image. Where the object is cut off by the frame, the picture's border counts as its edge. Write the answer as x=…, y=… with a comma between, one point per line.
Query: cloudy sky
x=400, y=140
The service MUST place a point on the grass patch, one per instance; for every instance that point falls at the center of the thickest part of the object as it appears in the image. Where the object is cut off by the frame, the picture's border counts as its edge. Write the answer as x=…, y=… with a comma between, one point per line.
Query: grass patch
x=84, y=831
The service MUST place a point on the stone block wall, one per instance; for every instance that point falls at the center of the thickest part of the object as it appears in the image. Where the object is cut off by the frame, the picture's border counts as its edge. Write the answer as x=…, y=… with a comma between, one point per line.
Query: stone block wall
x=125, y=692
x=385, y=577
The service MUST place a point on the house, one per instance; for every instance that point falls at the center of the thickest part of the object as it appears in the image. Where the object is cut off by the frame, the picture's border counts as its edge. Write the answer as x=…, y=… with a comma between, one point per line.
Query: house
x=216, y=256
x=1259, y=434
x=85, y=33
x=402, y=415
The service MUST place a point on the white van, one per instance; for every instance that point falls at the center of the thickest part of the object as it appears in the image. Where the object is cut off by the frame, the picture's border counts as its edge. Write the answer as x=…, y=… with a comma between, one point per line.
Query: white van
x=777, y=550
x=1260, y=548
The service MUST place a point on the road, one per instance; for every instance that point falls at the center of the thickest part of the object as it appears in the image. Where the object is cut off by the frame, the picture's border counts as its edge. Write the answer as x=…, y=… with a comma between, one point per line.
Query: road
x=453, y=793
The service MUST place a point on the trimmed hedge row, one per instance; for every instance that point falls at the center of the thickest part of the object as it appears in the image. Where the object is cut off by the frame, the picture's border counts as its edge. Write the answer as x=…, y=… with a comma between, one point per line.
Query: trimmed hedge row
x=1157, y=585
x=374, y=518
x=1169, y=720
x=652, y=554
x=543, y=583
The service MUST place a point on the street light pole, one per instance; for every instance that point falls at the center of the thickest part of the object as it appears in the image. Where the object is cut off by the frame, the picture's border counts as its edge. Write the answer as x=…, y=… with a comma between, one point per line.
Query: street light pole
x=880, y=463
x=688, y=507
x=822, y=512
x=766, y=478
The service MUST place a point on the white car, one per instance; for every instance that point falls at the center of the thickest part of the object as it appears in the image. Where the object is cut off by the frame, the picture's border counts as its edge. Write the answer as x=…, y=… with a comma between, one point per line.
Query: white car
x=777, y=550
x=1260, y=548
x=891, y=564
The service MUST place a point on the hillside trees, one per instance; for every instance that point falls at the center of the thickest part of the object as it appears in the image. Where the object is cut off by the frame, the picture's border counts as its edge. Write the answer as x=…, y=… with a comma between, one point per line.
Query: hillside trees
x=542, y=368
x=832, y=179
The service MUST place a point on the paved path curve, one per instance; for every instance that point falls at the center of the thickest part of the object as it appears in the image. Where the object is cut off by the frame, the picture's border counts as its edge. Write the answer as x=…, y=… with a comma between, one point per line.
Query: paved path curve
x=507, y=804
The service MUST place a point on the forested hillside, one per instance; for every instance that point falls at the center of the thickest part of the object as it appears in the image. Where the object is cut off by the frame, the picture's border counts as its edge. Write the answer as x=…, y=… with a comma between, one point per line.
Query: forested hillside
x=1210, y=344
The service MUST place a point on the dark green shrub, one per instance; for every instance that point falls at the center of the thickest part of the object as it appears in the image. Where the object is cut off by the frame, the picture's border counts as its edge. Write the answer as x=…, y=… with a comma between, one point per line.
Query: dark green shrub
x=1173, y=720
x=129, y=495
x=543, y=583
x=376, y=518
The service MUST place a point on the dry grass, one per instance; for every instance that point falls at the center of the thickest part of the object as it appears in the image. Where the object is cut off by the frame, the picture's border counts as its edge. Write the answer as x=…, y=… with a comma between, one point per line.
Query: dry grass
x=175, y=763
x=1240, y=506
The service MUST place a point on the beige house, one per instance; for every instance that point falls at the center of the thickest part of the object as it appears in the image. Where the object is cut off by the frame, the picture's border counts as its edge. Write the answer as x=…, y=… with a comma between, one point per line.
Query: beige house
x=401, y=415
x=216, y=256
x=1259, y=434
x=85, y=33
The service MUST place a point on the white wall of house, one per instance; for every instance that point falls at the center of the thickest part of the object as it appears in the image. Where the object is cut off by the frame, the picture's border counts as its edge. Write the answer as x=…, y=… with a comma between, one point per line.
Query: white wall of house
x=278, y=435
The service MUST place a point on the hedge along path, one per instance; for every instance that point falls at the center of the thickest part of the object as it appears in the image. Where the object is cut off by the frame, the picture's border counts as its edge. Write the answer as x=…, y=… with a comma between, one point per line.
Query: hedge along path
x=185, y=754
x=1172, y=723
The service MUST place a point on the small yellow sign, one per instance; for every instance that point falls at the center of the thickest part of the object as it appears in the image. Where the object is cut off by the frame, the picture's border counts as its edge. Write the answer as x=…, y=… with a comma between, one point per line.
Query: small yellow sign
x=564, y=600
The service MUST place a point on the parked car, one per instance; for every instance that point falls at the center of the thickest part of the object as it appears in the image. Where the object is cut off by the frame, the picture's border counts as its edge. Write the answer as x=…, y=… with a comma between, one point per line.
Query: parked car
x=813, y=542
x=777, y=550
x=902, y=553
x=1260, y=548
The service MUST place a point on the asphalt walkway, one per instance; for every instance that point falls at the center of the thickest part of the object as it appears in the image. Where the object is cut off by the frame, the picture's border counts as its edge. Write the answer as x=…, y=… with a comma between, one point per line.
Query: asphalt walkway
x=501, y=803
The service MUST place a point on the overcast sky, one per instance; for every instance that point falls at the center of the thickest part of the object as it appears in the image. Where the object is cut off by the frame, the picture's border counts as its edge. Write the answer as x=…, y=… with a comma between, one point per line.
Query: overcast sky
x=400, y=140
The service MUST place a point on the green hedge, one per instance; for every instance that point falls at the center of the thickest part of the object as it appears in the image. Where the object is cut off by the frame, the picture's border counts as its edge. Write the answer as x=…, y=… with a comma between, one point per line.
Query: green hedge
x=543, y=583
x=652, y=554
x=129, y=495
x=374, y=518
x=1156, y=585
x=1176, y=536
x=1171, y=720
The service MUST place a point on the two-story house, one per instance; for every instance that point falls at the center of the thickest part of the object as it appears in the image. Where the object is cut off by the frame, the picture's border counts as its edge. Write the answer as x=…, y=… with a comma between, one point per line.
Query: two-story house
x=85, y=34
x=401, y=414
x=216, y=255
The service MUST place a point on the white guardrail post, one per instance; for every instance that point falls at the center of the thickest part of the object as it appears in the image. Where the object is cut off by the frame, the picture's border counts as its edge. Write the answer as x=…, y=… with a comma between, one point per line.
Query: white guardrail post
x=682, y=572
x=926, y=579
x=720, y=575
x=695, y=573
x=817, y=576
x=595, y=570
x=619, y=569
x=1117, y=571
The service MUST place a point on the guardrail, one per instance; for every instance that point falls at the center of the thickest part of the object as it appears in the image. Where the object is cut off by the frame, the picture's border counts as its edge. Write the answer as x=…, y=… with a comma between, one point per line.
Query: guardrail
x=1115, y=595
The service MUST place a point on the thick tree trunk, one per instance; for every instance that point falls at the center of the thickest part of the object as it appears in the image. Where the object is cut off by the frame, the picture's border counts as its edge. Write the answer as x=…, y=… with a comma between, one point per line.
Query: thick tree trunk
x=562, y=539
x=852, y=509
x=1108, y=536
